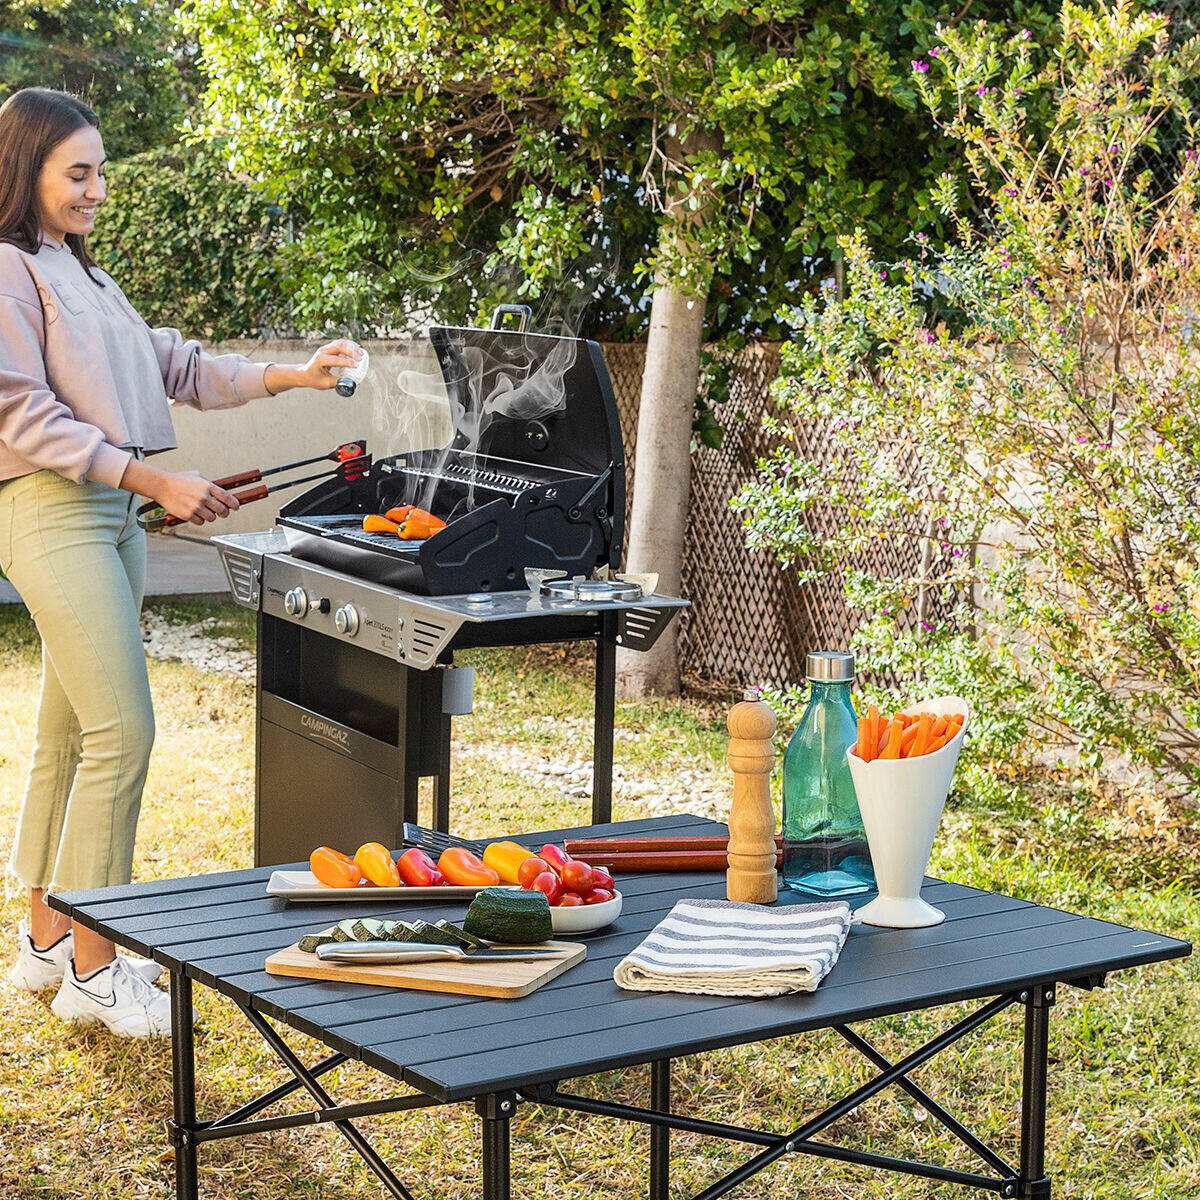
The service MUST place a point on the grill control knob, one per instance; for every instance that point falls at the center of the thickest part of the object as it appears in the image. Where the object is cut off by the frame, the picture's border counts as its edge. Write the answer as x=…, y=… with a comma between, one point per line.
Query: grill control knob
x=345, y=620
x=295, y=602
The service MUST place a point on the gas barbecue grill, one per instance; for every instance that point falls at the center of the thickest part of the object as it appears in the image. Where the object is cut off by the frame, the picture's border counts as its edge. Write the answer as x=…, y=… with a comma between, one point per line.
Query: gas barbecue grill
x=357, y=631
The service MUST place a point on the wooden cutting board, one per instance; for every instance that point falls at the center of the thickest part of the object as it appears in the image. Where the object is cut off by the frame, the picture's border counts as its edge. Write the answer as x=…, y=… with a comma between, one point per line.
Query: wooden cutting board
x=499, y=980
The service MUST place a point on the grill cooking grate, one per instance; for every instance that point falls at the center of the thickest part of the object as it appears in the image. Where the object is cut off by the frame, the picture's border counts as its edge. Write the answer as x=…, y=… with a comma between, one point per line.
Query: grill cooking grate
x=348, y=527
x=497, y=481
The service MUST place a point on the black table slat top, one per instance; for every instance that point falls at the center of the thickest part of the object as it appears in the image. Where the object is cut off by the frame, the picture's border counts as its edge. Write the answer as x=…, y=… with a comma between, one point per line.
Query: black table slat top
x=220, y=928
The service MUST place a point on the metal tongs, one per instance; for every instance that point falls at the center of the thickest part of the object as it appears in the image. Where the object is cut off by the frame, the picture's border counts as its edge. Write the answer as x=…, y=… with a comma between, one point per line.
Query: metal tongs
x=352, y=462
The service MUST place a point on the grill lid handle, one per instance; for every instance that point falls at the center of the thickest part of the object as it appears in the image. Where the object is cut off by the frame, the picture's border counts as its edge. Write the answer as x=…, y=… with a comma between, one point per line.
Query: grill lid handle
x=520, y=310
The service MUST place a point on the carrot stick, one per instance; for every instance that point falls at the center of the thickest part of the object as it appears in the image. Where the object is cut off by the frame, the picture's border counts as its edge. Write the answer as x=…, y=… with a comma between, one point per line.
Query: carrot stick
x=864, y=747
x=909, y=736
x=920, y=743
x=892, y=749
x=884, y=733
x=936, y=743
x=904, y=719
x=939, y=726
x=873, y=729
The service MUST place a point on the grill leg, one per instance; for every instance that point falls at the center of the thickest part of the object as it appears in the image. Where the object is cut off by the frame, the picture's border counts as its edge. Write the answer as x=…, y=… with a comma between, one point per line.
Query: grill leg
x=660, y=1136
x=441, y=782
x=410, y=796
x=497, y=1112
x=606, y=705
x=183, y=1076
x=1033, y=1182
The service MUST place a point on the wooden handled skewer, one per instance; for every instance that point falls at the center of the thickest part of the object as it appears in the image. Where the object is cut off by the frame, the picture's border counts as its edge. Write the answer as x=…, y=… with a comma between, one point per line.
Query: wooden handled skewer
x=751, y=873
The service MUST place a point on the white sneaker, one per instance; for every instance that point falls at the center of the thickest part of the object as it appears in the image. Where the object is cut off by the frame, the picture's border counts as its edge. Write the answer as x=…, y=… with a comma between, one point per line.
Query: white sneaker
x=115, y=996
x=35, y=970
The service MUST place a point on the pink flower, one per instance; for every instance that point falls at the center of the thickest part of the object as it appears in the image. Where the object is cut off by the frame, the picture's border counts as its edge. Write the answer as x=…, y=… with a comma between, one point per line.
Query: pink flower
x=1108, y=183
x=1191, y=155
x=982, y=90
x=1009, y=191
x=926, y=335
x=920, y=66
x=1082, y=439
x=957, y=551
x=1083, y=171
x=883, y=276
x=1025, y=35
x=926, y=627
x=1162, y=606
x=934, y=51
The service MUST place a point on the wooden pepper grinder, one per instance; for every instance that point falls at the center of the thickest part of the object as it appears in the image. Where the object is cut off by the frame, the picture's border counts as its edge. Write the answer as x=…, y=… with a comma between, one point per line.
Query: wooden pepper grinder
x=751, y=873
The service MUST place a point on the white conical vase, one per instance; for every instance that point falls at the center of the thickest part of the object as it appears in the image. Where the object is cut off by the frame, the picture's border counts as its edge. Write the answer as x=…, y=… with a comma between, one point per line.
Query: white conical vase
x=901, y=802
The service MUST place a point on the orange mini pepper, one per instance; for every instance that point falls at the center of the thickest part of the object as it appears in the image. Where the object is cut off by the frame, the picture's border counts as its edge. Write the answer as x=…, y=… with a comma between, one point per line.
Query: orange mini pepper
x=334, y=869
x=462, y=869
x=419, y=525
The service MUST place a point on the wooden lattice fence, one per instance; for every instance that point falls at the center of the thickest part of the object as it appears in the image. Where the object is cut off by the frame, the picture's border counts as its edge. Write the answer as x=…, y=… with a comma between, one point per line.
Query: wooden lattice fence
x=751, y=621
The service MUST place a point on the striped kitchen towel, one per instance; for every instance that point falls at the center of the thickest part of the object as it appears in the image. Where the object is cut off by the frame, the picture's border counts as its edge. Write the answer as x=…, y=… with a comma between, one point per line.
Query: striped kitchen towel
x=723, y=948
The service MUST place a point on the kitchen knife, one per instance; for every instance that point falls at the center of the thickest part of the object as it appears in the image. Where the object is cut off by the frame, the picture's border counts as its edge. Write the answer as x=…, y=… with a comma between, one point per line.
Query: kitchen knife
x=406, y=952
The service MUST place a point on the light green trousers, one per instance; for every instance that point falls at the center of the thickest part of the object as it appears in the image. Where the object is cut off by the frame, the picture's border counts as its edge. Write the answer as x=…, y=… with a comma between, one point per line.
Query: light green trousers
x=77, y=557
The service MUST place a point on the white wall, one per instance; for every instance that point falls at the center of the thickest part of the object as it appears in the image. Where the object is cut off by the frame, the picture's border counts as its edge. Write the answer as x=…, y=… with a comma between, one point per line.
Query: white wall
x=300, y=424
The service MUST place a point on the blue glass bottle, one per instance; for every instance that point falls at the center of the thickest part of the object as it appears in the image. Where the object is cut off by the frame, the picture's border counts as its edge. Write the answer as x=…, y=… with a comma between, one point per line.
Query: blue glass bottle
x=824, y=844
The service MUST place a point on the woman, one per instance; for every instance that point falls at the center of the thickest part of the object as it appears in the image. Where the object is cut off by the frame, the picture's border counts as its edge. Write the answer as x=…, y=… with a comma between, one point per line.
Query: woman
x=84, y=383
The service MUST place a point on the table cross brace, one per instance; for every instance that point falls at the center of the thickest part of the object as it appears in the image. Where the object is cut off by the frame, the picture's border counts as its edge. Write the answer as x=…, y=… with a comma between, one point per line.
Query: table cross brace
x=802, y=1140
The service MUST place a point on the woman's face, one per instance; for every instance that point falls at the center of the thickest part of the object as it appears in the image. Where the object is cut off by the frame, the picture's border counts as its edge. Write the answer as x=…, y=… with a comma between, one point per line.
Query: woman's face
x=71, y=186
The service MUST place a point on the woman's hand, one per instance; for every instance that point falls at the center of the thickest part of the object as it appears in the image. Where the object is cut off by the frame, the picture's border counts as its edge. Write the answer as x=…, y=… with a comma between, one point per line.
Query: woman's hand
x=191, y=497
x=318, y=372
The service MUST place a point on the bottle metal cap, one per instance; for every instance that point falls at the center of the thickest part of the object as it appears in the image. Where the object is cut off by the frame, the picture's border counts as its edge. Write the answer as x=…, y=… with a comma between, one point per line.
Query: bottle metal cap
x=829, y=666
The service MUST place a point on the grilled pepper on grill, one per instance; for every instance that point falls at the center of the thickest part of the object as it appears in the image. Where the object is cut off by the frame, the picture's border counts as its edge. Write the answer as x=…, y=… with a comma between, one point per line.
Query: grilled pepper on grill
x=373, y=523
x=419, y=525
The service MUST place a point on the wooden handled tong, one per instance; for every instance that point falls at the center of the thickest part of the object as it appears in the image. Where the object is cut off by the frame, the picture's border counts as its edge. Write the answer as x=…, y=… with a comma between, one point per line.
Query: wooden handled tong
x=352, y=461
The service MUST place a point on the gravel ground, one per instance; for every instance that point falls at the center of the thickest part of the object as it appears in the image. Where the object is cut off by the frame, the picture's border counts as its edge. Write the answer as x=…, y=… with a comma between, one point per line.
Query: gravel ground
x=196, y=645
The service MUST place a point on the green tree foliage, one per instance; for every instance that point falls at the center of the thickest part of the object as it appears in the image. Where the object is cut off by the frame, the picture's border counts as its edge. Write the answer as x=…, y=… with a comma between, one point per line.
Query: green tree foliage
x=190, y=245
x=469, y=152
x=123, y=57
x=1044, y=375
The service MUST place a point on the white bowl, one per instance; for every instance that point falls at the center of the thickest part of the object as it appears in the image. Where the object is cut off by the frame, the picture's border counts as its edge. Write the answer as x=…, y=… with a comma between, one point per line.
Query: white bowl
x=585, y=918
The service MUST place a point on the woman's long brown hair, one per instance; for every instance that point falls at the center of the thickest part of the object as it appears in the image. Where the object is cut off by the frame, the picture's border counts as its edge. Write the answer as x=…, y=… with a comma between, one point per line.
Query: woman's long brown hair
x=32, y=122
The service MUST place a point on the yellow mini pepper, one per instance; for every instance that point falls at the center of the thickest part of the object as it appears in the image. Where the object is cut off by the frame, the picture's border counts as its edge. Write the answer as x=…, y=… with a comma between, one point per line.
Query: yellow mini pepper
x=505, y=858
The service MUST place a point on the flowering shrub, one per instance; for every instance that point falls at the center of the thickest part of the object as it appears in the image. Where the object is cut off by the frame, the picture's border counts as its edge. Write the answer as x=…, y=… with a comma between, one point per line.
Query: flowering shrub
x=1045, y=373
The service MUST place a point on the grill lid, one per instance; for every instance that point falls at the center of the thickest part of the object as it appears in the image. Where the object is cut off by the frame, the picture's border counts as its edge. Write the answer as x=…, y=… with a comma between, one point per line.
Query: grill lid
x=530, y=398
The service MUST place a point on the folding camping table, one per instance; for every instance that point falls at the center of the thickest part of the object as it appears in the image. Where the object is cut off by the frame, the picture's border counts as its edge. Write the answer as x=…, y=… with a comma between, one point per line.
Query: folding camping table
x=216, y=930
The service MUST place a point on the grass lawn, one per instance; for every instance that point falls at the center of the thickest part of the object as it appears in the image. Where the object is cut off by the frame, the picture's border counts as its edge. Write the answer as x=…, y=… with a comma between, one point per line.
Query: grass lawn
x=81, y=1114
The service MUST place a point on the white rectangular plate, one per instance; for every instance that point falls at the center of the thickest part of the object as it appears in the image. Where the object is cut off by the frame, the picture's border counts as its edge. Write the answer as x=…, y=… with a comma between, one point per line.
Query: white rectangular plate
x=304, y=886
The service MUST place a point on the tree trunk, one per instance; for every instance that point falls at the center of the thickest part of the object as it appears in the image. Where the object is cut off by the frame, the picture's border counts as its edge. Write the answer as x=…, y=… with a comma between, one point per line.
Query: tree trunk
x=662, y=474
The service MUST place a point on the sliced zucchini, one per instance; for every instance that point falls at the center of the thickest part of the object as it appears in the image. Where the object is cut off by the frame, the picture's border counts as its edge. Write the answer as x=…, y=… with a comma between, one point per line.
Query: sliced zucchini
x=368, y=929
x=311, y=941
x=467, y=941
